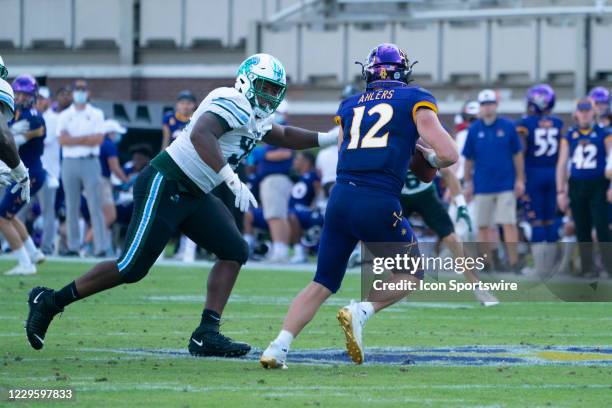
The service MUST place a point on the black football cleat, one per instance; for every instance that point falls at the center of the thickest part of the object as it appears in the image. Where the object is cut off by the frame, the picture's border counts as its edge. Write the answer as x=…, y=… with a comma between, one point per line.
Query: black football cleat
x=42, y=310
x=205, y=343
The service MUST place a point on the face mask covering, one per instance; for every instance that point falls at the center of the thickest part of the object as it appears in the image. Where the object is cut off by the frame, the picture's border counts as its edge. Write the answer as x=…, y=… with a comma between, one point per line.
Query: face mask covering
x=79, y=97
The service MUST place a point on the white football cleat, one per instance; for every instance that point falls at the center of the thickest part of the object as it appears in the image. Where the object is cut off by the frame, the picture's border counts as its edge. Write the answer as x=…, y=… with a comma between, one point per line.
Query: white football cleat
x=352, y=319
x=485, y=298
x=38, y=257
x=298, y=259
x=274, y=357
x=21, y=270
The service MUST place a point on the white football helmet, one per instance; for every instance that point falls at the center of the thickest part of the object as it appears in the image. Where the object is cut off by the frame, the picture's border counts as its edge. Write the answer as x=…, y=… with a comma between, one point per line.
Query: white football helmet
x=261, y=78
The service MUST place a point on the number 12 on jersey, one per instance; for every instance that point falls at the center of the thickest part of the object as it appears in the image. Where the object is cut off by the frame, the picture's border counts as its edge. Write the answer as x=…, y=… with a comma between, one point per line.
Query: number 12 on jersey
x=370, y=139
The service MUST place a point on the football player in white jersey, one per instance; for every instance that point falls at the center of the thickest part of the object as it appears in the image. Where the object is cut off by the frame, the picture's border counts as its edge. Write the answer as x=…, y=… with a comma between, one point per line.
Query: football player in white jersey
x=12, y=169
x=173, y=193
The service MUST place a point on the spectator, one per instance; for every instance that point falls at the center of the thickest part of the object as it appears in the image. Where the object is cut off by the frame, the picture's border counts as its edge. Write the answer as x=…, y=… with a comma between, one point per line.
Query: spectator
x=302, y=214
x=174, y=122
x=469, y=114
x=63, y=99
x=109, y=162
x=80, y=132
x=493, y=169
x=587, y=144
x=51, y=163
x=274, y=191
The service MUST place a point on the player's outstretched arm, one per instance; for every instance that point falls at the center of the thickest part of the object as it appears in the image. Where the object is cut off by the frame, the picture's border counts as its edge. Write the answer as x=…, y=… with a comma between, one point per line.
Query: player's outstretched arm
x=8, y=150
x=298, y=138
x=431, y=130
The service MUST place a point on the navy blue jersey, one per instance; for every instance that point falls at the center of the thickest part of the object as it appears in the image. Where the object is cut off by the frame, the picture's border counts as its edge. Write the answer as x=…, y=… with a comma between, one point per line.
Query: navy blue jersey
x=587, y=152
x=175, y=122
x=379, y=136
x=303, y=192
x=267, y=167
x=542, y=136
x=492, y=148
x=31, y=151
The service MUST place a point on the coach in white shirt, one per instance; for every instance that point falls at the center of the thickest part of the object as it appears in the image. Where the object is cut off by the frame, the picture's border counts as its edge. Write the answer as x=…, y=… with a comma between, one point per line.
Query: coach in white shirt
x=79, y=130
x=51, y=163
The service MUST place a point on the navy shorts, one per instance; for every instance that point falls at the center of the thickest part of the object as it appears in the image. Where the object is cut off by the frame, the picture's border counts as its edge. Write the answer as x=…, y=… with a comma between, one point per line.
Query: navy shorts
x=11, y=202
x=357, y=214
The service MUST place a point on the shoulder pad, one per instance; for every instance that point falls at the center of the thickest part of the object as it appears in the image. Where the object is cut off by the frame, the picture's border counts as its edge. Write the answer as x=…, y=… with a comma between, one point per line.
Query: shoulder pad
x=229, y=104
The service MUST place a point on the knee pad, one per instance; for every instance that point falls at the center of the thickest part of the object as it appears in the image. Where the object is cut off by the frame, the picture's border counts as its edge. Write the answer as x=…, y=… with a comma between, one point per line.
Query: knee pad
x=239, y=252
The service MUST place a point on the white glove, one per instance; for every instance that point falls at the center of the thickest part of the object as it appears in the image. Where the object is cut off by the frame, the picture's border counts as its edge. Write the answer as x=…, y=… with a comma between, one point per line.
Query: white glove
x=240, y=190
x=20, y=175
x=20, y=128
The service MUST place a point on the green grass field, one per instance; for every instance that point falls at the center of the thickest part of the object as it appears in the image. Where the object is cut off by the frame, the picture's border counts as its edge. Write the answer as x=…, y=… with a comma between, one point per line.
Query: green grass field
x=127, y=347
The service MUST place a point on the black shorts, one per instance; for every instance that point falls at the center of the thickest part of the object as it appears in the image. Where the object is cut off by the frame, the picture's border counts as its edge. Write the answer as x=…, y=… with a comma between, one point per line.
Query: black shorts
x=161, y=207
x=428, y=205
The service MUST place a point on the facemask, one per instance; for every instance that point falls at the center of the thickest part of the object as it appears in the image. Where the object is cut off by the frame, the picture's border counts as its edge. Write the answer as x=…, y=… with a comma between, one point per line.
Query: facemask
x=79, y=97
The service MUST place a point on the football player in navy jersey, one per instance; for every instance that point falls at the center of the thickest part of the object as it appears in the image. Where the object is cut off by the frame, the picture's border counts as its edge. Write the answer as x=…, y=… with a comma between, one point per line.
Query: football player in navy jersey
x=175, y=121
x=541, y=133
x=378, y=136
x=586, y=145
x=28, y=128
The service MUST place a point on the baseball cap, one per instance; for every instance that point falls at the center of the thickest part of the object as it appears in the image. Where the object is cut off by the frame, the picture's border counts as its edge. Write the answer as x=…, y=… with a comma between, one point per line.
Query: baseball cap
x=471, y=108
x=44, y=92
x=487, y=96
x=112, y=126
x=186, y=94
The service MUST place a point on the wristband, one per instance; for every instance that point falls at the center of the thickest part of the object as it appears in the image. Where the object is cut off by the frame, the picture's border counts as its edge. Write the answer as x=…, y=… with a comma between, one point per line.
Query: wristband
x=432, y=159
x=327, y=139
x=460, y=200
x=226, y=173
x=20, y=168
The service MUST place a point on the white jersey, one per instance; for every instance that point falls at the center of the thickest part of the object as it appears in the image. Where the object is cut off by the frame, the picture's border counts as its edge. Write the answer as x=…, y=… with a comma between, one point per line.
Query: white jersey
x=7, y=100
x=245, y=131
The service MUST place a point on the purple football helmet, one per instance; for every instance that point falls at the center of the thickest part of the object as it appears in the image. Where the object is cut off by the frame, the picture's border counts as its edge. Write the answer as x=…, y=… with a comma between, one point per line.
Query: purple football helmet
x=26, y=84
x=540, y=99
x=388, y=63
x=600, y=95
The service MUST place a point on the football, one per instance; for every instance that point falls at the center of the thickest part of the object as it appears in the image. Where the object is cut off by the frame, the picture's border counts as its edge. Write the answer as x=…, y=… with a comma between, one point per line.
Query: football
x=421, y=168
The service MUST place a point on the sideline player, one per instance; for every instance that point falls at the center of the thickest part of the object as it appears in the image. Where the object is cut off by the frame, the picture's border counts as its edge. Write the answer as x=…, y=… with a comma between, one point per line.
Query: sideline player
x=586, y=146
x=541, y=133
x=422, y=198
x=28, y=128
x=174, y=193
x=12, y=169
x=379, y=131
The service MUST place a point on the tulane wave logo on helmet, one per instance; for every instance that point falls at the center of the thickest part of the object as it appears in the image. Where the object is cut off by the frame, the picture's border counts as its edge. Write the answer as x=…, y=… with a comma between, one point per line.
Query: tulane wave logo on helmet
x=262, y=80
